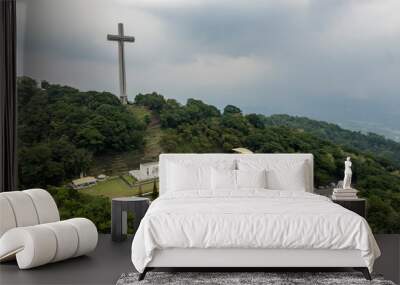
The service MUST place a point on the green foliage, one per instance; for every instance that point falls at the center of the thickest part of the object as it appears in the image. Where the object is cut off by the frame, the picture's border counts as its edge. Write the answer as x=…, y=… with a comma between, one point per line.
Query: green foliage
x=235, y=121
x=50, y=163
x=198, y=110
x=374, y=176
x=61, y=128
x=147, y=120
x=174, y=114
x=256, y=120
x=230, y=109
x=72, y=203
x=153, y=101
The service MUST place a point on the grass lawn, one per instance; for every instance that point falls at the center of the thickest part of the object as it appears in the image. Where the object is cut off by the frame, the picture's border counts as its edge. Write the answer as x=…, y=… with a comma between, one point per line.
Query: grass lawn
x=129, y=178
x=152, y=139
x=115, y=187
x=153, y=133
x=139, y=111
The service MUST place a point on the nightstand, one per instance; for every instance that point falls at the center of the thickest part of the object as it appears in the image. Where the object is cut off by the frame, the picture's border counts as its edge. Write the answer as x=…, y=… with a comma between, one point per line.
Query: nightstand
x=358, y=205
x=119, y=216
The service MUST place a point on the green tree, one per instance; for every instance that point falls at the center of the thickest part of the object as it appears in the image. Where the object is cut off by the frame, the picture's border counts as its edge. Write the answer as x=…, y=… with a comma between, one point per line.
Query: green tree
x=153, y=101
x=61, y=128
x=230, y=109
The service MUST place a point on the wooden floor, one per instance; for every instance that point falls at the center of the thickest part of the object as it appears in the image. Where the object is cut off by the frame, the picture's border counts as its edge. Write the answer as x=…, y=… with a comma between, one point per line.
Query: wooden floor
x=110, y=260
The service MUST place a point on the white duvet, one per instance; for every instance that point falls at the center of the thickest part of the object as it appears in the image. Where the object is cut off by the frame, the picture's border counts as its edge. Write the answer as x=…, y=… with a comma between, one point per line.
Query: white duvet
x=250, y=219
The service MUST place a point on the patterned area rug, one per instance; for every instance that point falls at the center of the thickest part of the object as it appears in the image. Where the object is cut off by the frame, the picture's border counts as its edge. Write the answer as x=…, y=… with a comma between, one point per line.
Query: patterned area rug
x=232, y=278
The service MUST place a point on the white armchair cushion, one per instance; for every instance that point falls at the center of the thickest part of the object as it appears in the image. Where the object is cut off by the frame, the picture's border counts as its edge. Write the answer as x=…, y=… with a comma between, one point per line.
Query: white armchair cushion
x=23, y=208
x=66, y=237
x=7, y=220
x=26, y=208
x=37, y=245
x=45, y=206
x=31, y=232
x=32, y=246
x=87, y=233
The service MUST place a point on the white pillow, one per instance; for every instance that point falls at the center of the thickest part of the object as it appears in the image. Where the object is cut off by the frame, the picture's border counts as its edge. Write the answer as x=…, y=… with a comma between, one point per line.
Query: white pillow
x=251, y=178
x=184, y=177
x=282, y=174
x=288, y=177
x=223, y=179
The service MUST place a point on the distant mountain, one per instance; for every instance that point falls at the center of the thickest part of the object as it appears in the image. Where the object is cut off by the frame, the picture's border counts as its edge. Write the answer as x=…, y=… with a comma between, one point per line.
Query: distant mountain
x=377, y=128
x=371, y=143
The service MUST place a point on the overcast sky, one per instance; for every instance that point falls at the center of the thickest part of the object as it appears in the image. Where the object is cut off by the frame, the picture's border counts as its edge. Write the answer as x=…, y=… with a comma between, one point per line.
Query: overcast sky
x=334, y=60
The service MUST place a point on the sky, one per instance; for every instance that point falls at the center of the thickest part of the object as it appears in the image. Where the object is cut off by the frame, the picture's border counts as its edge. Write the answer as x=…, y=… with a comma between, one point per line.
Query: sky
x=336, y=60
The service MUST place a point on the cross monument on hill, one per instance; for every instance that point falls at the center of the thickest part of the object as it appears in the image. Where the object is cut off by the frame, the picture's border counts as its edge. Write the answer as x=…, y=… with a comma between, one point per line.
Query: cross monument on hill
x=121, y=39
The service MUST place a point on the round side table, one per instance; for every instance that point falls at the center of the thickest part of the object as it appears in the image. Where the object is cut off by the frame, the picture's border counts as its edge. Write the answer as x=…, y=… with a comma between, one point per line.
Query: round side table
x=119, y=215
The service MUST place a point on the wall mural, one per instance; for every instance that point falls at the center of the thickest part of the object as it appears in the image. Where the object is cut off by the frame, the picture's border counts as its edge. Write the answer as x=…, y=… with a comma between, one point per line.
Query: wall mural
x=204, y=77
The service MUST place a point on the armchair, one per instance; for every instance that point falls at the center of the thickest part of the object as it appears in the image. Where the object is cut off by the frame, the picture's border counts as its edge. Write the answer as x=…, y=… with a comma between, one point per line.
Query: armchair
x=31, y=231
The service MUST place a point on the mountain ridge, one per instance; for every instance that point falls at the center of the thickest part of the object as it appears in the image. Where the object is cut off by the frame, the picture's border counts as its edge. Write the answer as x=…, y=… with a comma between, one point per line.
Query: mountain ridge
x=371, y=142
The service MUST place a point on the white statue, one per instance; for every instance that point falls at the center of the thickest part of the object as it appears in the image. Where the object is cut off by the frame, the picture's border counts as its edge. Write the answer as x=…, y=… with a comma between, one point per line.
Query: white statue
x=347, y=174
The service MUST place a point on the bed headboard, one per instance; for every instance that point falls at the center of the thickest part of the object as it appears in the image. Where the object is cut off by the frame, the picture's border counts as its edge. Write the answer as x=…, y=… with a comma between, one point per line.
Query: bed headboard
x=217, y=157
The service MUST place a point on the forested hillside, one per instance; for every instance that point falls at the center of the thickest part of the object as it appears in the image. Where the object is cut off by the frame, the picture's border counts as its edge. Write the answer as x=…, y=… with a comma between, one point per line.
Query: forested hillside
x=61, y=130
x=198, y=127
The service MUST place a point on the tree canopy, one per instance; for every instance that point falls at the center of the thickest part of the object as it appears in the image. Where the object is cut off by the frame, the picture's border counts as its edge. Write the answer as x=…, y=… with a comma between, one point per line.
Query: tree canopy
x=377, y=178
x=61, y=128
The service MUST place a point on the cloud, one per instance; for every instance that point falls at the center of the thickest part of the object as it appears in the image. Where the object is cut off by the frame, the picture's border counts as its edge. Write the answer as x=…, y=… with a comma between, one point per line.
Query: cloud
x=300, y=57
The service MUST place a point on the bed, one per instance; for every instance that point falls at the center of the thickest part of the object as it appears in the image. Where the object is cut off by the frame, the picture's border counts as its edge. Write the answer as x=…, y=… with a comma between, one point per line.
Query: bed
x=245, y=211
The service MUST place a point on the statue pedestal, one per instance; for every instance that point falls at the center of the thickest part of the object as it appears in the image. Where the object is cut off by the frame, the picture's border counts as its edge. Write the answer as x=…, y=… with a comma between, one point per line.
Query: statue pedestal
x=344, y=194
x=347, y=190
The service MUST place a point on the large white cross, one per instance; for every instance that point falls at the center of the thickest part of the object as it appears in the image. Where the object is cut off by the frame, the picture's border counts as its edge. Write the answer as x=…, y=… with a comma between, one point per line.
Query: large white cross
x=121, y=39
